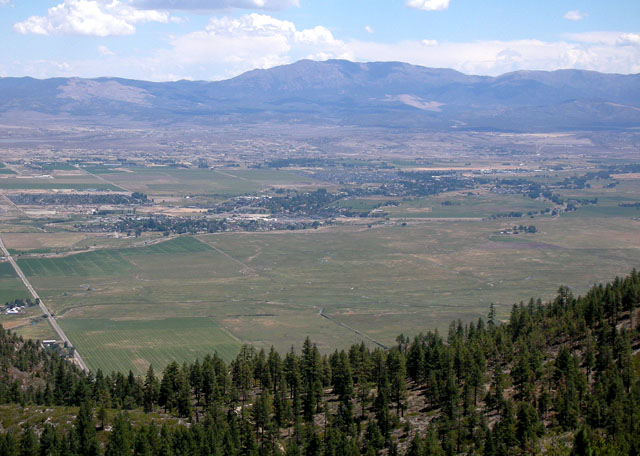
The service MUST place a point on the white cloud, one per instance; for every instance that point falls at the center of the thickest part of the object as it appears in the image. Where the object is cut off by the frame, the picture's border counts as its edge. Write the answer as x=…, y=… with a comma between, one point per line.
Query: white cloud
x=89, y=17
x=629, y=39
x=575, y=15
x=228, y=46
x=428, y=5
x=369, y=29
x=497, y=57
x=105, y=51
x=213, y=5
x=597, y=37
x=605, y=38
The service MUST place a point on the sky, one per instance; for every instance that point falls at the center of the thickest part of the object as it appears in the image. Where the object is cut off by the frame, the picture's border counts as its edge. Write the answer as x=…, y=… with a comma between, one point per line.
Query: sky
x=165, y=40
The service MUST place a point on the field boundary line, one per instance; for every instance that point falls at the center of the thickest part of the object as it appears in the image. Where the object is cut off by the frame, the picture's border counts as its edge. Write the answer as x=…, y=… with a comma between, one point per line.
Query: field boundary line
x=103, y=179
x=14, y=205
x=358, y=332
x=235, y=177
x=246, y=266
x=228, y=333
x=50, y=318
x=69, y=253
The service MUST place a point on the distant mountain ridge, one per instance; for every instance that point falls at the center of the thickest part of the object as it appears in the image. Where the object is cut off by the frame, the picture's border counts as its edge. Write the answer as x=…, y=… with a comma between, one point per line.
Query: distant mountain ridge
x=339, y=92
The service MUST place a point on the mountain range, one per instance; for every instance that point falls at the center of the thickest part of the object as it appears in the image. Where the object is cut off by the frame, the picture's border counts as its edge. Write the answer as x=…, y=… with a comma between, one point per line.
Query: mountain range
x=339, y=92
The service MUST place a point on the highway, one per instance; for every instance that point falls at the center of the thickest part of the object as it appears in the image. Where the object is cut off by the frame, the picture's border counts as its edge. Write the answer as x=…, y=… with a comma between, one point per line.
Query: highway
x=45, y=310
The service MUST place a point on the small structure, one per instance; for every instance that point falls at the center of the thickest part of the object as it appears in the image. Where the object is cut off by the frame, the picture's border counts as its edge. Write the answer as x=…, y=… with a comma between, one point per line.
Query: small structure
x=49, y=343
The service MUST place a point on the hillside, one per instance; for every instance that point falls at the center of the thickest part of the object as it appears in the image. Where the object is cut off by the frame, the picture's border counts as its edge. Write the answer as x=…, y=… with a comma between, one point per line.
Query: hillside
x=337, y=92
x=561, y=377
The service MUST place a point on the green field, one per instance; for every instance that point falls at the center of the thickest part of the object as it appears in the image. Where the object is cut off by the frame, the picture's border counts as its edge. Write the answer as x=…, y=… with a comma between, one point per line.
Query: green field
x=123, y=345
x=112, y=262
x=461, y=205
x=11, y=286
x=162, y=181
x=33, y=184
x=126, y=303
x=28, y=324
x=269, y=288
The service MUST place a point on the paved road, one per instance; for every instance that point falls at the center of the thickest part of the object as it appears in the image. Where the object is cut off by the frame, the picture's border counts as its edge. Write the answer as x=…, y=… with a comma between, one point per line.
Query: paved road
x=50, y=317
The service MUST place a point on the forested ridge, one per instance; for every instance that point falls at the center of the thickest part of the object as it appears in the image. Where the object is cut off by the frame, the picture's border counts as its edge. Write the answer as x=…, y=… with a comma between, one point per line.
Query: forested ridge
x=561, y=377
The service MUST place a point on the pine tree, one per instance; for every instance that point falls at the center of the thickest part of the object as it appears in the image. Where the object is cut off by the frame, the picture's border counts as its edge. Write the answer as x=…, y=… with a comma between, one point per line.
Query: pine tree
x=397, y=379
x=102, y=416
x=50, y=441
x=311, y=379
x=29, y=445
x=121, y=440
x=151, y=390
x=168, y=392
x=85, y=441
x=261, y=414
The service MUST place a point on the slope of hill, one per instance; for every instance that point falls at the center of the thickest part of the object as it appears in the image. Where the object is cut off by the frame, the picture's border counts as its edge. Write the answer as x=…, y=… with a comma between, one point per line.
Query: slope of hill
x=389, y=94
x=560, y=378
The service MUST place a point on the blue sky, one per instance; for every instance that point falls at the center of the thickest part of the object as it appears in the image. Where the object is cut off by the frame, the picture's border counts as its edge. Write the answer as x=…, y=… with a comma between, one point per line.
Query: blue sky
x=216, y=39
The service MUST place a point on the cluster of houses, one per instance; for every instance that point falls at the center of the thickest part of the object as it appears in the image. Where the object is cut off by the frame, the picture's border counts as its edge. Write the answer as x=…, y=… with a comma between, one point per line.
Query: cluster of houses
x=17, y=306
x=14, y=310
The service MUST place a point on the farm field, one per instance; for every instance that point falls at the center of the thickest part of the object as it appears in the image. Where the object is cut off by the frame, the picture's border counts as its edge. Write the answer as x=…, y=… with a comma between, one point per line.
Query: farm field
x=163, y=181
x=123, y=345
x=37, y=184
x=40, y=242
x=11, y=286
x=462, y=205
x=188, y=268
x=29, y=325
x=121, y=306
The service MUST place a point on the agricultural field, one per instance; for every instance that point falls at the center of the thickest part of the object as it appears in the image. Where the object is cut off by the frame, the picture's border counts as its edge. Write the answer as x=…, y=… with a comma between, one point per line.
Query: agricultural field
x=257, y=255
x=30, y=325
x=121, y=345
x=166, y=182
x=276, y=288
x=463, y=205
x=67, y=184
x=11, y=286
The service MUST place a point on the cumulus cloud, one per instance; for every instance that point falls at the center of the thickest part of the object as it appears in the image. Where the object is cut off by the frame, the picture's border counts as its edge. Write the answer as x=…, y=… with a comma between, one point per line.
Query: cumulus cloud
x=368, y=29
x=428, y=5
x=251, y=41
x=574, y=15
x=89, y=17
x=212, y=5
